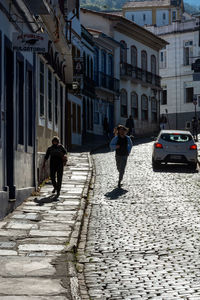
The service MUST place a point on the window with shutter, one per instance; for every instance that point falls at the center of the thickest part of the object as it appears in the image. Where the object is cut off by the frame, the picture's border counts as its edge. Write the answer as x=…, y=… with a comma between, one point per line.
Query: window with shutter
x=144, y=108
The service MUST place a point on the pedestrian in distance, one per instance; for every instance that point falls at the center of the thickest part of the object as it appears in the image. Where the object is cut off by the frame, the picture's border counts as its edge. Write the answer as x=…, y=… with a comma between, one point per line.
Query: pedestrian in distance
x=130, y=125
x=163, y=122
x=195, y=128
x=122, y=145
x=58, y=158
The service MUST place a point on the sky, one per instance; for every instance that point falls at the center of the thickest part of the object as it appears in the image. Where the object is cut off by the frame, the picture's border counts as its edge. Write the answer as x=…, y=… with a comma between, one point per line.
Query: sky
x=193, y=2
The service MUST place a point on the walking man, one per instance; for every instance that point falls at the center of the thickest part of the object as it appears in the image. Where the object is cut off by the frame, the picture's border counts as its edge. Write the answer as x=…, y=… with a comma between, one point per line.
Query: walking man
x=122, y=144
x=57, y=155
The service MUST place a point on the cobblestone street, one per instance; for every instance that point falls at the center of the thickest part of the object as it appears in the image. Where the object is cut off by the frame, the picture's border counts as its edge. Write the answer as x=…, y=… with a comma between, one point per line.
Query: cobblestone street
x=143, y=240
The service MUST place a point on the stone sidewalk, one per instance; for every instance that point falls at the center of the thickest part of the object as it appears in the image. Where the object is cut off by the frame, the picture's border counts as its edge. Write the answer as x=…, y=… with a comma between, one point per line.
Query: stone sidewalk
x=39, y=239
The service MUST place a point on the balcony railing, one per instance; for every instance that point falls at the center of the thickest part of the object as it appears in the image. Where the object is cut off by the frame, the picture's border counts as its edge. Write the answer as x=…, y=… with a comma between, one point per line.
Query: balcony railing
x=106, y=81
x=139, y=74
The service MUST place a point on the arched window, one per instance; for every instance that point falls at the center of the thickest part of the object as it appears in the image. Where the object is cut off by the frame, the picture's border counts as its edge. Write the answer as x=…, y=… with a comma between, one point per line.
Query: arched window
x=134, y=105
x=103, y=62
x=123, y=102
x=123, y=52
x=153, y=110
x=88, y=66
x=110, y=65
x=91, y=68
x=133, y=56
x=144, y=107
x=153, y=64
x=144, y=60
x=96, y=65
x=84, y=63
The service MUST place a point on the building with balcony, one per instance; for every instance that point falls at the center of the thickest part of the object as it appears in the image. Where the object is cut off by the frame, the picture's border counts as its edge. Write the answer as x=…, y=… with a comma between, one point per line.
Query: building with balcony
x=81, y=93
x=180, y=88
x=106, y=81
x=54, y=72
x=155, y=12
x=36, y=67
x=136, y=65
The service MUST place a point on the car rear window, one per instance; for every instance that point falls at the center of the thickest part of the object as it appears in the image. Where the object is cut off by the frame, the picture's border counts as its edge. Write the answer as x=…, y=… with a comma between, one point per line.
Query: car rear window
x=176, y=138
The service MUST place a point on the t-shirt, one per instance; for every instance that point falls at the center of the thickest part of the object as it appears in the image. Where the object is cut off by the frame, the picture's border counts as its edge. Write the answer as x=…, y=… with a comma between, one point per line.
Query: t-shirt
x=122, y=151
x=56, y=153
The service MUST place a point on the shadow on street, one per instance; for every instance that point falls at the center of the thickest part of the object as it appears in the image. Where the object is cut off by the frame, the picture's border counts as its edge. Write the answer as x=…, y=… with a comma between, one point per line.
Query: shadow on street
x=116, y=193
x=174, y=168
x=44, y=200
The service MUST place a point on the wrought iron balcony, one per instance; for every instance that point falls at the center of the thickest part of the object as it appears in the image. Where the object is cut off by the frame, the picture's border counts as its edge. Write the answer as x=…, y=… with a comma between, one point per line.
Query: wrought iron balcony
x=128, y=70
x=106, y=81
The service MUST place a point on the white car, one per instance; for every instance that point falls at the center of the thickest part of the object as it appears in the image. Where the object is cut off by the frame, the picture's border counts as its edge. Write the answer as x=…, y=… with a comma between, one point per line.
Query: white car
x=176, y=146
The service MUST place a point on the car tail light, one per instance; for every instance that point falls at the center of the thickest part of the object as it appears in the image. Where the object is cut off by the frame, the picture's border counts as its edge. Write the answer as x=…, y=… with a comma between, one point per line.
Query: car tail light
x=158, y=145
x=193, y=147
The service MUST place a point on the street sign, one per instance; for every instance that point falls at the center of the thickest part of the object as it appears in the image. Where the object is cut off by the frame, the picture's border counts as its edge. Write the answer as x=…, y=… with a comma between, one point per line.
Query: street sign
x=195, y=99
x=30, y=42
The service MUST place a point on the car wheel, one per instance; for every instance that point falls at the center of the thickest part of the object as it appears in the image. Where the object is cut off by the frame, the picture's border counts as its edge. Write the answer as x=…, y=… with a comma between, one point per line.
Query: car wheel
x=155, y=164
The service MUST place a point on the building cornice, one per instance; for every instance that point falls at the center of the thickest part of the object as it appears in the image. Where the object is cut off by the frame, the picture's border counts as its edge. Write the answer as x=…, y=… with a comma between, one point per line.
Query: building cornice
x=141, y=36
x=133, y=30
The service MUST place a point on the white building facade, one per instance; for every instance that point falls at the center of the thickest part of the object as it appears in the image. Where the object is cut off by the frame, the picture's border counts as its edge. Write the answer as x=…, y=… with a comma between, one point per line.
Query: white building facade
x=154, y=12
x=179, y=88
x=136, y=63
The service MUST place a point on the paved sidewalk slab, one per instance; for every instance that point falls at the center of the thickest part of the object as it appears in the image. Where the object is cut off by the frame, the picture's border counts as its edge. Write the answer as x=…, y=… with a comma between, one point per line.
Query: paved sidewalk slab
x=37, y=240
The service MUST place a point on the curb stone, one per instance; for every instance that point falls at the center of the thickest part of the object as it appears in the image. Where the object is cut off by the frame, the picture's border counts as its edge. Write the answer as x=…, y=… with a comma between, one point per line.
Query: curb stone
x=72, y=247
x=82, y=244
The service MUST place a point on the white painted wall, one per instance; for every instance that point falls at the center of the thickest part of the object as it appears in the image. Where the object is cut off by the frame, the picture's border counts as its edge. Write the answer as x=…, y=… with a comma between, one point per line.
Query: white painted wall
x=140, y=17
x=176, y=76
x=134, y=87
x=160, y=20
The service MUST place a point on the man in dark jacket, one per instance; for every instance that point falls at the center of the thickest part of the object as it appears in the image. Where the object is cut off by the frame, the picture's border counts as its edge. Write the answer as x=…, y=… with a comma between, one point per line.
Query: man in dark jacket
x=130, y=125
x=122, y=144
x=56, y=152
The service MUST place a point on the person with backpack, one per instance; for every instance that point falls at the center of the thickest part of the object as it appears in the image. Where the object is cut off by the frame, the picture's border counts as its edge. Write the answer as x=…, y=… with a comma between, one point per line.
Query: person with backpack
x=122, y=145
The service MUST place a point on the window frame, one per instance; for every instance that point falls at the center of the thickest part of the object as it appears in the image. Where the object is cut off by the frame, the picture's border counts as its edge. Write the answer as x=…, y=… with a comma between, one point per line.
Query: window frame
x=30, y=106
x=144, y=112
x=154, y=112
x=153, y=64
x=134, y=55
x=123, y=51
x=134, y=109
x=50, y=99
x=20, y=97
x=41, y=93
x=186, y=94
x=164, y=99
x=123, y=106
x=144, y=62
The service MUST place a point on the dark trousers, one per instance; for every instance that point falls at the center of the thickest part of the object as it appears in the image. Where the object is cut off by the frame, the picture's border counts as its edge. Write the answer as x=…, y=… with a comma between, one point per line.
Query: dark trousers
x=56, y=171
x=121, y=165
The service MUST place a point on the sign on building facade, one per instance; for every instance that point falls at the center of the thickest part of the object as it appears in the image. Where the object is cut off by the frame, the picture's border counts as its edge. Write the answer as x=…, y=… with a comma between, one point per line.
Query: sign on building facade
x=30, y=42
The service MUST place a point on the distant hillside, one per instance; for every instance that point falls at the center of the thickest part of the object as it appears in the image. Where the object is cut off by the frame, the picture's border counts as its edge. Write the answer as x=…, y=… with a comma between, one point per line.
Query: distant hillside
x=103, y=4
x=117, y=4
